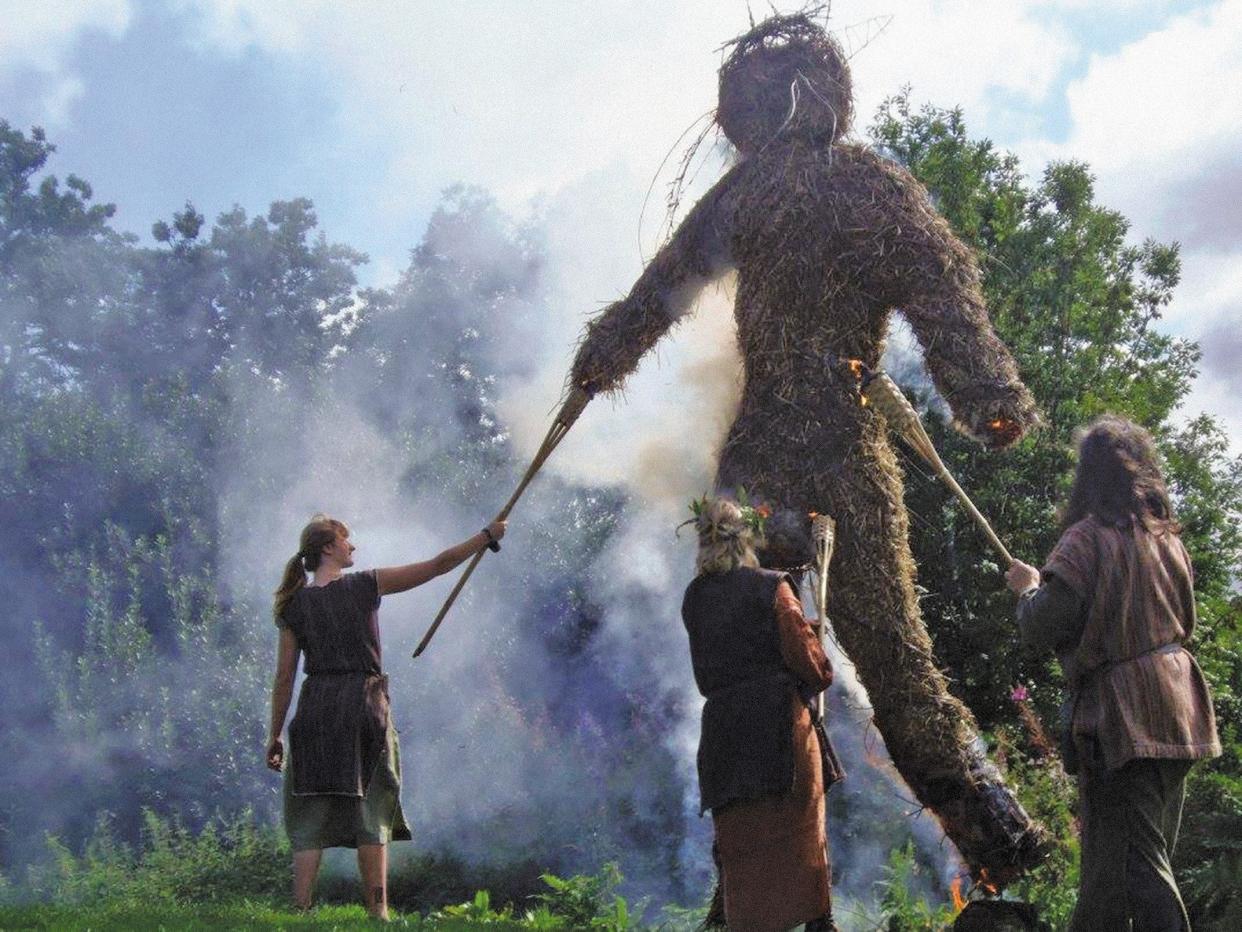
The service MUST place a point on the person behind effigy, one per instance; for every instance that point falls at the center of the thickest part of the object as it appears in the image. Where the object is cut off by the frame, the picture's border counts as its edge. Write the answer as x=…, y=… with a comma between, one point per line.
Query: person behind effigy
x=761, y=768
x=342, y=785
x=1116, y=603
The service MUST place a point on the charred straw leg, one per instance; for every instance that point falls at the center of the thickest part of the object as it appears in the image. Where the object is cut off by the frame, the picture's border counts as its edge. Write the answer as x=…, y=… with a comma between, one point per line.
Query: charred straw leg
x=887, y=398
x=565, y=418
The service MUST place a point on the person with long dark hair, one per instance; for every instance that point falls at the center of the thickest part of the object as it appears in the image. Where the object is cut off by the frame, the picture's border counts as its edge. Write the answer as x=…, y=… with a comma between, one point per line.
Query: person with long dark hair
x=342, y=775
x=1115, y=600
x=762, y=767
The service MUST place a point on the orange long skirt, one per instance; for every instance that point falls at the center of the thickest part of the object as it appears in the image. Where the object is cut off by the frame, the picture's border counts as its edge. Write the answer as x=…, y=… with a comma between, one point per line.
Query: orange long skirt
x=773, y=851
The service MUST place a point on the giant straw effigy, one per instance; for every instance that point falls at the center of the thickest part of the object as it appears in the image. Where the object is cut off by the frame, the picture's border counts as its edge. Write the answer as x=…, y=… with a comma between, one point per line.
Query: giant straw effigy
x=828, y=239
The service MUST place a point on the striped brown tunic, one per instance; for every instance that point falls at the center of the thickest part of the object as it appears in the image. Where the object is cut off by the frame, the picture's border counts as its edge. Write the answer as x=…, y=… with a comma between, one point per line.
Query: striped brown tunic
x=338, y=732
x=1138, y=693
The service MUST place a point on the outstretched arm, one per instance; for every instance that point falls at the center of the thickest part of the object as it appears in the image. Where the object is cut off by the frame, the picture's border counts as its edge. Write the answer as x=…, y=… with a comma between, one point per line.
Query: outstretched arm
x=392, y=579
x=618, y=338
x=934, y=281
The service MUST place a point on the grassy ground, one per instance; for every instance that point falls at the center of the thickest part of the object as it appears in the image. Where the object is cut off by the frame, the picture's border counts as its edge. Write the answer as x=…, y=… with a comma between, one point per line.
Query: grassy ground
x=125, y=917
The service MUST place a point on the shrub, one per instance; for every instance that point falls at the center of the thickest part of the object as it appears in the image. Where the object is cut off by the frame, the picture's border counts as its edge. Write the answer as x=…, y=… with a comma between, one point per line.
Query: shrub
x=226, y=860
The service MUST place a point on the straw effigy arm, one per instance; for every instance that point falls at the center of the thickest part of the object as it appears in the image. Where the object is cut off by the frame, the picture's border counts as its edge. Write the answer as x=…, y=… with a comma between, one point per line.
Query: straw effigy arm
x=936, y=285
x=698, y=252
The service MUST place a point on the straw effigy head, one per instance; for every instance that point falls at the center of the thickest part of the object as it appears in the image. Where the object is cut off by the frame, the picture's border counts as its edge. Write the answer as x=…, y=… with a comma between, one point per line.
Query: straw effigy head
x=785, y=76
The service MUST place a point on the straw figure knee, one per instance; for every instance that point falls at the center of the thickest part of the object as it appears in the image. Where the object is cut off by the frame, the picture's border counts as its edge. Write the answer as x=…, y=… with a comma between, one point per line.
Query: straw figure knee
x=828, y=238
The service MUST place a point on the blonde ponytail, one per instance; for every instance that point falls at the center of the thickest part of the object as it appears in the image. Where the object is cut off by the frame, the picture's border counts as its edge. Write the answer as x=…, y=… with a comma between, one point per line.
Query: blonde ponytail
x=319, y=533
x=726, y=541
x=294, y=578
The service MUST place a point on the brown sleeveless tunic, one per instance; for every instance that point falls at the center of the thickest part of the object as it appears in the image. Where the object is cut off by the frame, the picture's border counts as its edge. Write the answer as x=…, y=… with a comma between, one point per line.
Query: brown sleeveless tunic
x=760, y=765
x=1140, y=693
x=338, y=732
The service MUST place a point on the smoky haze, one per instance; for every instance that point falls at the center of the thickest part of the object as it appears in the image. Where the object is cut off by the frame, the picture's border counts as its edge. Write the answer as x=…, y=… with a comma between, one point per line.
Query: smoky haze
x=554, y=717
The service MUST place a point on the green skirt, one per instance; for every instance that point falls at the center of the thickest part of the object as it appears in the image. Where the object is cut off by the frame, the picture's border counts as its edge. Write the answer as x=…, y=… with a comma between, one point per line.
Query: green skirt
x=323, y=821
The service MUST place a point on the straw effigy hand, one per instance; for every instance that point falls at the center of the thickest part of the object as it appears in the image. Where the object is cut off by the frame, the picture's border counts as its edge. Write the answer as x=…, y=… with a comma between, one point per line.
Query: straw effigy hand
x=1004, y=418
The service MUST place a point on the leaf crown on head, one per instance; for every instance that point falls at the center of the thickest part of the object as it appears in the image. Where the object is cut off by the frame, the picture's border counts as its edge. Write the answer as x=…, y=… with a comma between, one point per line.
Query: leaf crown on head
x=754, y=517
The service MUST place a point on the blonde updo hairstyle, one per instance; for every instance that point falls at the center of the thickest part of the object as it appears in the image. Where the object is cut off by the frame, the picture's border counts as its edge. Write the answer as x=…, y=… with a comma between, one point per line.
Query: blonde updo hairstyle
x=726, y=541
x=319, y=532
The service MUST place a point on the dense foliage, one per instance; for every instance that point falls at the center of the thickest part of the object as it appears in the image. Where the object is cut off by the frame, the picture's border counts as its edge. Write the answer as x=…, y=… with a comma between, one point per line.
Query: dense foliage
x=135, y=379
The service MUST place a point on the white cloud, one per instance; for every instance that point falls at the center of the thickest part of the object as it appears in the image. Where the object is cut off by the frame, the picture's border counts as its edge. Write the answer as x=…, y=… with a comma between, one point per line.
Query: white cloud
x=41, y=36
x=1162, y=100
x=955, y=52
x=1160, y=124
x=526, y=99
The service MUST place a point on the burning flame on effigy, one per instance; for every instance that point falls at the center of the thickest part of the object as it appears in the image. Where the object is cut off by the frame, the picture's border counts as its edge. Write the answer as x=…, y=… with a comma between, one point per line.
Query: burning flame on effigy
x=859, y=371
x=960, y=899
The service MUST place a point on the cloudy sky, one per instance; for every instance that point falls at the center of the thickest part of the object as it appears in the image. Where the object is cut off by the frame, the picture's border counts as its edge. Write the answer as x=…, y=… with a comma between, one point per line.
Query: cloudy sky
x=372, y=108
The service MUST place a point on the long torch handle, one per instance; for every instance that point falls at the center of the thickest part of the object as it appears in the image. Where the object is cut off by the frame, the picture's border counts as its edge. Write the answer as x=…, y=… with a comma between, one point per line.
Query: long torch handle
x=823, y=532
x=971, y=510
x=448, y=603
x=474, y=561
x=901, y=415
x=565, y=418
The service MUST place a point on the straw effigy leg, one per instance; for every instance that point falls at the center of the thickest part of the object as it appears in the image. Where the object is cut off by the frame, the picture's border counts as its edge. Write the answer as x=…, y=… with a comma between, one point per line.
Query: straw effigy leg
x=930, y=735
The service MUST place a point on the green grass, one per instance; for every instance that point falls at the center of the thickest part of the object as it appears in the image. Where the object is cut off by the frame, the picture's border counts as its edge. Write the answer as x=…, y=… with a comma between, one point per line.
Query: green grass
x=241, y=914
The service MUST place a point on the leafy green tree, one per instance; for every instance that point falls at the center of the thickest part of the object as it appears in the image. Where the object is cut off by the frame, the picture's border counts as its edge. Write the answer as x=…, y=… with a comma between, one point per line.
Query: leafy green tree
x=128, y=377
x=445, y=335
x=58, y=267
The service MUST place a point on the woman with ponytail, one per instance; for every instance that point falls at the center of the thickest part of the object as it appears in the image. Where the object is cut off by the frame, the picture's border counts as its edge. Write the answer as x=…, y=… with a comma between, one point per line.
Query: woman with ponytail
x=342, y=775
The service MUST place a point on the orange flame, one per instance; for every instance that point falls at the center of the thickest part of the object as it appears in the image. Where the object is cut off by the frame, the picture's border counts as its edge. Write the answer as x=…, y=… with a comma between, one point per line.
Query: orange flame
x=959, y=901
x=856, y=367
x=988, y=887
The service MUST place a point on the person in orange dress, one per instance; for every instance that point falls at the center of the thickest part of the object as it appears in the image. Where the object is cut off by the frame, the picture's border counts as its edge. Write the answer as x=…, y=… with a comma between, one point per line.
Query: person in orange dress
x=761, y=768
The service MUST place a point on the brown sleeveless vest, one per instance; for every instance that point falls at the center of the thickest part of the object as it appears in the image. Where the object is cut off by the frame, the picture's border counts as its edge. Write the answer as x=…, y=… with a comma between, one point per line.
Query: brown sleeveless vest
x=746, y=742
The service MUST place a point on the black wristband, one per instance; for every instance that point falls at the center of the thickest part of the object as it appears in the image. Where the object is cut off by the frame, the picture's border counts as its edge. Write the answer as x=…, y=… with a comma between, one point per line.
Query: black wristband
x=492, y=543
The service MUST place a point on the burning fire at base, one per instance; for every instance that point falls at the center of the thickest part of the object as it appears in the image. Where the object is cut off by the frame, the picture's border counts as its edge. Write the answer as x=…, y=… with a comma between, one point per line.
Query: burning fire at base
x=982, y=886
x=959, y=901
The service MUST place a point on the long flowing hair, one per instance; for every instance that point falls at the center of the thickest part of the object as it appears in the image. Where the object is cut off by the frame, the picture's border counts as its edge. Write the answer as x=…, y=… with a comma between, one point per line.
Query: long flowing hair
x=1118, y=479
x=319, y=532
x=725, y=539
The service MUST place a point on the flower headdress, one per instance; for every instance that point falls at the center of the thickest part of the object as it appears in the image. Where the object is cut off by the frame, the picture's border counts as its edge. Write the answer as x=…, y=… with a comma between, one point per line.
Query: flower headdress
x=753, y=517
